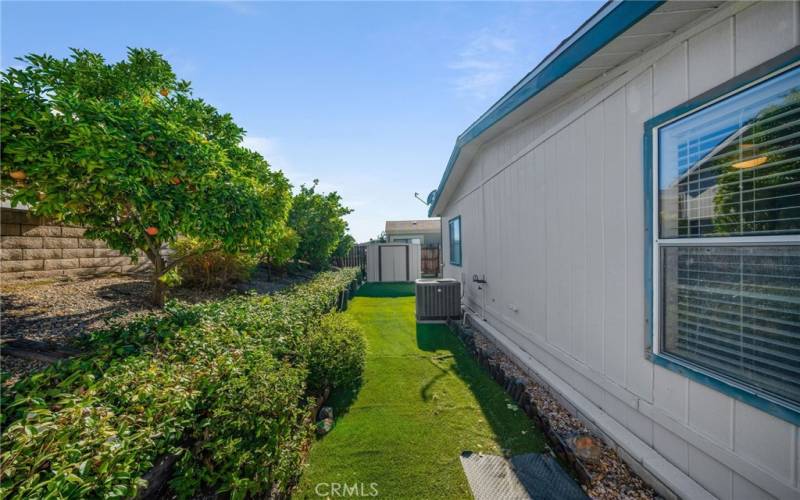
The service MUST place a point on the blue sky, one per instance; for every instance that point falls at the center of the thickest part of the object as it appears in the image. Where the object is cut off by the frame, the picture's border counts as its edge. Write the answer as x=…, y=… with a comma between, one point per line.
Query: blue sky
x=366, y=97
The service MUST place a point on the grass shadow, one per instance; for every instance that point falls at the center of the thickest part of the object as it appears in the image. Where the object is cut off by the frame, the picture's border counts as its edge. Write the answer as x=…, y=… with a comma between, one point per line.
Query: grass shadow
x=386, y=290
x=491, y=397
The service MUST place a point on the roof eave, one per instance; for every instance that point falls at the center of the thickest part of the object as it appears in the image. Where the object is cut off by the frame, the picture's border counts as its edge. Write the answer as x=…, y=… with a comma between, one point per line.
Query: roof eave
x=613, y=19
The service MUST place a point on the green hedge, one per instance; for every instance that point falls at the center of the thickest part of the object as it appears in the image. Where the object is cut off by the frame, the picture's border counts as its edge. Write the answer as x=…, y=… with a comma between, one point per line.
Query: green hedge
x=226, y=386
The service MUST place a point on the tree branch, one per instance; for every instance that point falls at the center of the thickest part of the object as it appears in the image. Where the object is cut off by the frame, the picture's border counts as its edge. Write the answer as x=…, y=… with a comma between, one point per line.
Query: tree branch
x=177, y=261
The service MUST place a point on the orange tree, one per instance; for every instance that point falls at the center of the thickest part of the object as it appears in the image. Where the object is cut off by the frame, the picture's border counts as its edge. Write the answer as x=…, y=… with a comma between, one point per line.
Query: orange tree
x=318, y=219
x=125, y=150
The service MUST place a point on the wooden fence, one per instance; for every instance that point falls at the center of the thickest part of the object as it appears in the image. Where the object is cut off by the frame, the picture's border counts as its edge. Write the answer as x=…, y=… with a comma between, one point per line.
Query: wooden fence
x=430, y=260
x=357, y=257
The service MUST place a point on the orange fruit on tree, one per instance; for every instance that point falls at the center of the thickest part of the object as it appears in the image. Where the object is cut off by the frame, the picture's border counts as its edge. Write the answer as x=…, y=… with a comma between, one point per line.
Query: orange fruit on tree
x=151, y=230
x=19, y=176
x=175, y=181
x=164, y=92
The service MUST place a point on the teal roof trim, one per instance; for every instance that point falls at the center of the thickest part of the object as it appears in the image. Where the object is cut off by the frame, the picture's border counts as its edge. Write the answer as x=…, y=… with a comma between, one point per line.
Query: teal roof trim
x=609, y=22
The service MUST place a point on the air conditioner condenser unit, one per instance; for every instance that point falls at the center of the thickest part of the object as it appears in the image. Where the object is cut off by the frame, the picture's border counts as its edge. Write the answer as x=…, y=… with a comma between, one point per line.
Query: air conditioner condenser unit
x=438, y=300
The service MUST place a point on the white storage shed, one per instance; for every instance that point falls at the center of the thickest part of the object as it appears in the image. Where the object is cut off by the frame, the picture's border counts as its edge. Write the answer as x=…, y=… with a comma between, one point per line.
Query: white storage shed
x=393, y=262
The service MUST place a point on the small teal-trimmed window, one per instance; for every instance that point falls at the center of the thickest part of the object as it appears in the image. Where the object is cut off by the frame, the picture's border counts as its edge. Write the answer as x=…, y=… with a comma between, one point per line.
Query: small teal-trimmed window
x=724, y=258
x=455, y=240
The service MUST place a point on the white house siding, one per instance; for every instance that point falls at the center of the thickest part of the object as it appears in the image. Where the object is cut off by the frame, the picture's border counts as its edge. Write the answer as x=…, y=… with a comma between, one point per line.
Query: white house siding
x=552, y=214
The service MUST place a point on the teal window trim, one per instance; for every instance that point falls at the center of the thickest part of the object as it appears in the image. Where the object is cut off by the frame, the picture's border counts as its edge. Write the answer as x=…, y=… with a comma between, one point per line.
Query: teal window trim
x=728, y=386
x=453, y=260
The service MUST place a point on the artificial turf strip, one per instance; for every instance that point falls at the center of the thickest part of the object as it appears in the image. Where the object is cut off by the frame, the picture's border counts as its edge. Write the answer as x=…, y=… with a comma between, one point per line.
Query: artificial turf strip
x=423, y=401
x=387, y=290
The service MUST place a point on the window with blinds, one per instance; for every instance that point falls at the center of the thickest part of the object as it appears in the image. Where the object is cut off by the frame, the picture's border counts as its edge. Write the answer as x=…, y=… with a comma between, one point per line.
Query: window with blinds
x=735, y=310
x=728, y=241
x=455, y=240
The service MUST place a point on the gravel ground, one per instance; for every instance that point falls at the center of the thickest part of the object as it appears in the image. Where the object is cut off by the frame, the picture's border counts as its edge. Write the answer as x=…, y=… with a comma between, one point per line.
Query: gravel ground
x=612, y=479
x=56, y=312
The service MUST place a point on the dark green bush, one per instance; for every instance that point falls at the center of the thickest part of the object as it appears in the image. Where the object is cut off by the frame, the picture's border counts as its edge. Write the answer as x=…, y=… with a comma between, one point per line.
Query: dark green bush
x=251, y=437
x=337, y=353
x=223, y=385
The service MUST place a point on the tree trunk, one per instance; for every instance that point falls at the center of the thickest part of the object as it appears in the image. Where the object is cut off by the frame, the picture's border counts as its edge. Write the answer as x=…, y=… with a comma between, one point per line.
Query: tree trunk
x=158, y=293
x=159, y=288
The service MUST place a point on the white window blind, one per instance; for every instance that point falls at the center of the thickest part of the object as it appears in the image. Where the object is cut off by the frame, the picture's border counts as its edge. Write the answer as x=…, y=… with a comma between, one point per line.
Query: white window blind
x=736, y=310
x=728, y=244
x=733, y=168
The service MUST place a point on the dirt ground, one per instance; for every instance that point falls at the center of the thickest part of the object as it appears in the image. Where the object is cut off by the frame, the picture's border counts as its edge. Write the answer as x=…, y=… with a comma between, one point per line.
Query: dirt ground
x=53, y=313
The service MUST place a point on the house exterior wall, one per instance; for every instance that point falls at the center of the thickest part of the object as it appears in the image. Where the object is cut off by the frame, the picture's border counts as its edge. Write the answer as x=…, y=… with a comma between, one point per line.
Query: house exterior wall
x=552, y=214
x=35, y=248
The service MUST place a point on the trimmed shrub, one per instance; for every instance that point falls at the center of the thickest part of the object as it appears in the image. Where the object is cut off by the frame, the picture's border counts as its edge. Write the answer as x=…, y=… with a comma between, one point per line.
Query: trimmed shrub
x=212, y=268
x=251, y=438
x=338, y=350
x=225, y=386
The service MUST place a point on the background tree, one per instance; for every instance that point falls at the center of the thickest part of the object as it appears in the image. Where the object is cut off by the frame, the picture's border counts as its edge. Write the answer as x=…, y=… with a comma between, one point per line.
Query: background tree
x=318, y=219
x=125, y=150
x=344, y=246
x=281, y=249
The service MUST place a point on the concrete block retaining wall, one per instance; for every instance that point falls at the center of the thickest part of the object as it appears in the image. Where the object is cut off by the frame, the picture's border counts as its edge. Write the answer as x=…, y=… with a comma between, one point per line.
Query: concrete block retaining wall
x=32, y=247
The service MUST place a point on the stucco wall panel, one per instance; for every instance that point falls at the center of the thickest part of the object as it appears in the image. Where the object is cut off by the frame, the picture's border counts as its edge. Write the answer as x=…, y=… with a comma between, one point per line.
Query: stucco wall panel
x=763, y=31
x=614, y=250
x=711, y=414
x=670, y=392
x=672, y=447
x=638, y=97
x=711, y=474
x=711, y=57
x=670, y=80
x=765, y=440
x=595, y=239
x=745, y=490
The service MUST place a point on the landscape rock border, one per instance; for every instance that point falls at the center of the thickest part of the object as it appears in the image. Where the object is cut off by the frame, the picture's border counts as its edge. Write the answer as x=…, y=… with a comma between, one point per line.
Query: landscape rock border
x=606, y=475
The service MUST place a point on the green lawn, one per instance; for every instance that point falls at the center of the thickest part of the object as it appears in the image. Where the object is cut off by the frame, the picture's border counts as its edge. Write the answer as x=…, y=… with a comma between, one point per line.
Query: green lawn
x=423, y=401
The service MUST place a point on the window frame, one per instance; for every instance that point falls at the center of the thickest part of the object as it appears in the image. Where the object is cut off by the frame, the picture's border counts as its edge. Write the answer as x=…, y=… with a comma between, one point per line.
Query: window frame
x=450, y=222
x=730, y=386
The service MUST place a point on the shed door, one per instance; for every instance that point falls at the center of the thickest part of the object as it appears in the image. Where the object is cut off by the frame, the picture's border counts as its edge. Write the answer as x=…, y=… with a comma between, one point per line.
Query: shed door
x=393, y=263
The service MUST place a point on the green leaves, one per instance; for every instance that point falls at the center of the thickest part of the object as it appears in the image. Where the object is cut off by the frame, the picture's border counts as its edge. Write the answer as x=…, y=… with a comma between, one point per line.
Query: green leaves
x=225, y=385
x=338, y=350
x=319, y=222
x=122, y=147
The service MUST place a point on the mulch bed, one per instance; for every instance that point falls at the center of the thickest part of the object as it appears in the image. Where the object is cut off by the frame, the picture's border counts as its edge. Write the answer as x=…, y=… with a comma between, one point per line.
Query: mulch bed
x=606, y=476
x=38, y=316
